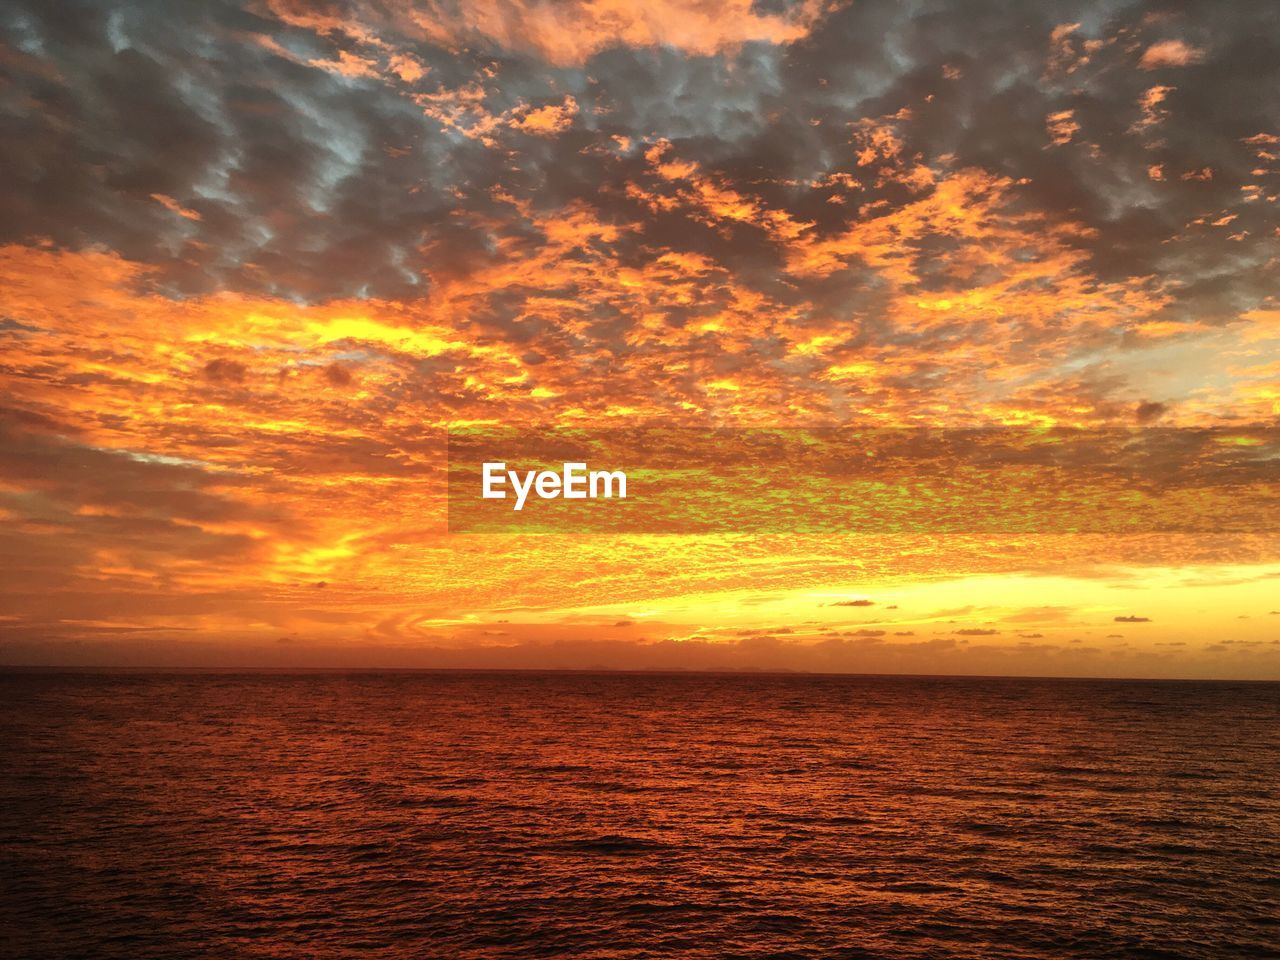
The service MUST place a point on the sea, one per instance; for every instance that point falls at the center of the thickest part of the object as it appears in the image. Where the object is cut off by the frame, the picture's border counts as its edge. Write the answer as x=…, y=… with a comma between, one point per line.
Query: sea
x=601, y=816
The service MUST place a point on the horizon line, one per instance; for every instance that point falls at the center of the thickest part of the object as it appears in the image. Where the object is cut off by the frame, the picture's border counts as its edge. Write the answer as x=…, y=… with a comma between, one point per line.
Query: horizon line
x=601, y=671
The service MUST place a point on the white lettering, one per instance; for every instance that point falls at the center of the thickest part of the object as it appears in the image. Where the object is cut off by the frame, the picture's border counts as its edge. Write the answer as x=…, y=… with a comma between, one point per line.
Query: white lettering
x=572, y=472
x=548, y=485
x=494, y=474
x=574, y=482
x=522, y=490
x=608, y=477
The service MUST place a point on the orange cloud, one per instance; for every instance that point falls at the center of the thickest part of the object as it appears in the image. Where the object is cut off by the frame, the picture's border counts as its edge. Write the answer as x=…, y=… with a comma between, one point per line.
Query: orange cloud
x=1062, y=127
x=548, y=120
x=267, y=292
x=171, y=204
x=572, y=32
x=1151, y=103
x=564, y=33
x=1170, y=53
x=348, y=64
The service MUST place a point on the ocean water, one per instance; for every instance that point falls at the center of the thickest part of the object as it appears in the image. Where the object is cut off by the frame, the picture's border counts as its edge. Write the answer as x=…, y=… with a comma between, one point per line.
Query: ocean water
x=593, y=816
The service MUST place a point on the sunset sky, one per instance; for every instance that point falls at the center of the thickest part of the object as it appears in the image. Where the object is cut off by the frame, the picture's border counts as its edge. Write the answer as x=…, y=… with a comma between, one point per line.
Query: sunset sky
x=258, y=258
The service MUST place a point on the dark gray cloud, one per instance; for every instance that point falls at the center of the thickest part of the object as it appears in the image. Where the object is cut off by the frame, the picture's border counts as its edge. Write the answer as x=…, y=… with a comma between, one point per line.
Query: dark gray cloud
x=313, y=184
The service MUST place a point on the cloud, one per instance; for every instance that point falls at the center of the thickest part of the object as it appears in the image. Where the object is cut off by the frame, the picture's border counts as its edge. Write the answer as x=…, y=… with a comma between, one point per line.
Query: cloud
x=1148, y=411
x=1039, y=615
x=1132, y=619
x=1170, y=53
x=571, y=32
x=220, y=370
x=1061, y=127
x=548, y=120
x=171, y=204
x=337, y=375
x=391, y=219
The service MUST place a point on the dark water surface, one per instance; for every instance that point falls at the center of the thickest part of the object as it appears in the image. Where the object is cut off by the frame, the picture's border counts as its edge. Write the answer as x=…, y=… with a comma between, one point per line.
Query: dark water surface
x=611, y=816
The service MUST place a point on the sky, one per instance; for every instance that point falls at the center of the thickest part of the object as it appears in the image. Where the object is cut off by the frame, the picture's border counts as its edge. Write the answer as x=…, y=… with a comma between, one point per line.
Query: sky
x=258, y=258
